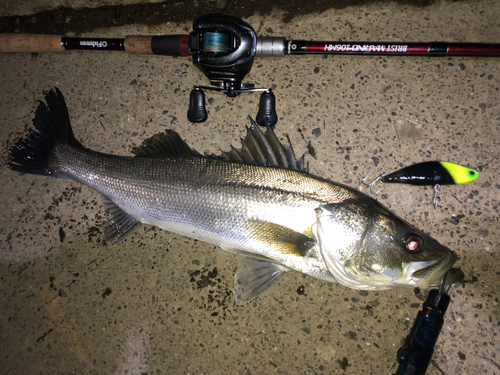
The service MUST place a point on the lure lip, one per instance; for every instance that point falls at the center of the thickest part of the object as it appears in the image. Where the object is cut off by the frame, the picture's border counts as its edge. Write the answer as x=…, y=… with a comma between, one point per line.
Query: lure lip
x=434, y=272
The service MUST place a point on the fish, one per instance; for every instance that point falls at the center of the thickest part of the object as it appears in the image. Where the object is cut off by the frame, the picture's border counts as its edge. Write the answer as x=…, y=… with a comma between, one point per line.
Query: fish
x=259, y=201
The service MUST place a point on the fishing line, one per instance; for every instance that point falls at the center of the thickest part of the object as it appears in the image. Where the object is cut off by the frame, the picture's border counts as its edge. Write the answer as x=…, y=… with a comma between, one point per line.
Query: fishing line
x=481, y=168
x=216, y=43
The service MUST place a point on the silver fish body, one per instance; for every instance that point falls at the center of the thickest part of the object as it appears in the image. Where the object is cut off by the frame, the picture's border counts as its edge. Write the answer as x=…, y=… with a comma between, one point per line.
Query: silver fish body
x=239, y=207
x=258, y=202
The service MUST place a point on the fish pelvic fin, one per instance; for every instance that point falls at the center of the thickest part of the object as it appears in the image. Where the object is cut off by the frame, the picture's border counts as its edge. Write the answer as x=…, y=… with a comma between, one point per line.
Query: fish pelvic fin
x=264, y=149
x=35, y=154
x=253, y=277
x=119, y=224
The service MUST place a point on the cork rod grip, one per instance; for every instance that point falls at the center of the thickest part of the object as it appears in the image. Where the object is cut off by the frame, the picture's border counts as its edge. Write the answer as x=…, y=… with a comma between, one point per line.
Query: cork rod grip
x=30, y=43
x=138, y=44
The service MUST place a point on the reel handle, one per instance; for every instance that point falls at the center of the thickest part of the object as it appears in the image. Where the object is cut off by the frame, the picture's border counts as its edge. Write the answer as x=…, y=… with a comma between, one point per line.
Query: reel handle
x=197, y=111
x=267, y=109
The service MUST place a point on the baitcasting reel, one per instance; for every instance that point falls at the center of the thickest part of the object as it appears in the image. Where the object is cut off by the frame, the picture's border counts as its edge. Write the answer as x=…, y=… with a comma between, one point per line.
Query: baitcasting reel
x=224, y=48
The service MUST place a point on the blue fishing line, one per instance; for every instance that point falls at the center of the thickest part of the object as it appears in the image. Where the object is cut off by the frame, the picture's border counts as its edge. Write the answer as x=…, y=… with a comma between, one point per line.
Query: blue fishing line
x=216, y=42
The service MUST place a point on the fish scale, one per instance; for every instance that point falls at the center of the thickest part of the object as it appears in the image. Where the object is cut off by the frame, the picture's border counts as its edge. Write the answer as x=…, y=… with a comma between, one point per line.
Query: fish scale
x=168, y=193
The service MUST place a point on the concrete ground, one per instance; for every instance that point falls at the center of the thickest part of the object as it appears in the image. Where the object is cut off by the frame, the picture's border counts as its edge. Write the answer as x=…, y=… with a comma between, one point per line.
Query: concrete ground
x=160, y=303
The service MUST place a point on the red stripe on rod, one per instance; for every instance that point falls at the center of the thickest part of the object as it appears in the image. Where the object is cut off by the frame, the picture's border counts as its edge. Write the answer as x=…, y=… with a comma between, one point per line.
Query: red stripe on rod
x=473, y=49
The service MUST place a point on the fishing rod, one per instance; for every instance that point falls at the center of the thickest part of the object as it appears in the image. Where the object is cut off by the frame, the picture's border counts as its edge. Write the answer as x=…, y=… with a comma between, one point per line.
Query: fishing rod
x=224, y=48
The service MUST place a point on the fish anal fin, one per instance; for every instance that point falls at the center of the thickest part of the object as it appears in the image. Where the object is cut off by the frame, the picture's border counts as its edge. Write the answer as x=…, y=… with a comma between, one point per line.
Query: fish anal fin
x=253, y=277
x=282, y=239
x=119, y=224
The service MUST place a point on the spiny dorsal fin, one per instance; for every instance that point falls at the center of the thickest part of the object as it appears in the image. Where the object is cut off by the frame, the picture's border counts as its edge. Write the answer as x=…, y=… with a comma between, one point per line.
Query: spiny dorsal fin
x=264, y=149
x=163, y=144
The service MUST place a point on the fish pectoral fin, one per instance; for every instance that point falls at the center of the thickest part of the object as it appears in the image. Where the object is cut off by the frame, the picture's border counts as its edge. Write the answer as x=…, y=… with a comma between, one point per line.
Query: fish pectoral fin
x=253, y=277
x=119, y=223
x=282, y=239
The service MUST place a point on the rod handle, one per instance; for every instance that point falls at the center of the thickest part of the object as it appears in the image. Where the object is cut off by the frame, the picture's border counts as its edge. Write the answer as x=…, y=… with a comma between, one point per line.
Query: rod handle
x=30, y=43
x=138, y=44
x=166, y=45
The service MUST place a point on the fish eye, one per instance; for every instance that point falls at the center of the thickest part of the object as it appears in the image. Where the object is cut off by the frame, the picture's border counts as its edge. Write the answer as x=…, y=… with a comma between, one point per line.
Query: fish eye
x=412, y=243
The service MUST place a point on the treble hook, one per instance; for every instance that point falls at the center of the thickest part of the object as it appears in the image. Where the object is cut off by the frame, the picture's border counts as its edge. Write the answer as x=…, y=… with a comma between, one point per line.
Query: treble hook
x=436, y=201
x=371, y=184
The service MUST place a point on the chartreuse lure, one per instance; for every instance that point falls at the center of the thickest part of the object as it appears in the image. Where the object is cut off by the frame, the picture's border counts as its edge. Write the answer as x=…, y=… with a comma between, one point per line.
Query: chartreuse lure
x=434, y=173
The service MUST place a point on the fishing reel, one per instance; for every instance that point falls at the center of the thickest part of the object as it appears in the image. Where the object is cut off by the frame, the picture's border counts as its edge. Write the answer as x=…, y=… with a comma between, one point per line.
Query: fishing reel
x=224, y=48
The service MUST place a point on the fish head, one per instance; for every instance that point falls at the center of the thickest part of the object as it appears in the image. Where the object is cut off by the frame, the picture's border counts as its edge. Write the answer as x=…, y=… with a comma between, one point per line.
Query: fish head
x=367, y=247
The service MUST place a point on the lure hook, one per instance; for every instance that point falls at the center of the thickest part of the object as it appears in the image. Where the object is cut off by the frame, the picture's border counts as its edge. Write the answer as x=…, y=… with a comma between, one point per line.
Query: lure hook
x=437, y=201
x=371, y=184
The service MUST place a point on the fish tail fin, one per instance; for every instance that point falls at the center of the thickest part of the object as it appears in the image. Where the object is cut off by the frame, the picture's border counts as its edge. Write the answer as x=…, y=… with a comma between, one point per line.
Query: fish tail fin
x=36, y=154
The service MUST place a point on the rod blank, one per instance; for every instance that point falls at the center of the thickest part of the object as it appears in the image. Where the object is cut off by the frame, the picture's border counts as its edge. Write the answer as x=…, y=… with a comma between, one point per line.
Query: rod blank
x=302, y=47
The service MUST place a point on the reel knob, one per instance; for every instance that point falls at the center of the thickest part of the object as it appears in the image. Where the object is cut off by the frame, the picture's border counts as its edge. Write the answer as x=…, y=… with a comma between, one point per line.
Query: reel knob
x=197, y=111
x=267, y=109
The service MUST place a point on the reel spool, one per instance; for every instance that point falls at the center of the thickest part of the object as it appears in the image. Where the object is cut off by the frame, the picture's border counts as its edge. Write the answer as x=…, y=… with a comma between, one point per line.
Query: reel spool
x=224, y=49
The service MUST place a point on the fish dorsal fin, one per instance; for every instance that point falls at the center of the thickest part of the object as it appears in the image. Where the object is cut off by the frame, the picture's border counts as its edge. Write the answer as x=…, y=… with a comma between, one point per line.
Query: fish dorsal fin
x=264, y=149
x=119, y=223
x=164, y=144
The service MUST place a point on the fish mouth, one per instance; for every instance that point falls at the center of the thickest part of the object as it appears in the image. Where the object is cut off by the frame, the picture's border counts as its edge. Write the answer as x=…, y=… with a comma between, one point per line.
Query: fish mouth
x=430, y=273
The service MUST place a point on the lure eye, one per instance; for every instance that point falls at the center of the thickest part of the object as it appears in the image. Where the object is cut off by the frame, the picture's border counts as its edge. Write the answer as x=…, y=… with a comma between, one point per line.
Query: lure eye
x=412, y=243
x=472, y=173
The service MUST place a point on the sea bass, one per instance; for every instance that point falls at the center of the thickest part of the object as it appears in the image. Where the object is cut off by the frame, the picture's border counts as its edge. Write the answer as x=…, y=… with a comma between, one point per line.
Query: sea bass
x=258, y=201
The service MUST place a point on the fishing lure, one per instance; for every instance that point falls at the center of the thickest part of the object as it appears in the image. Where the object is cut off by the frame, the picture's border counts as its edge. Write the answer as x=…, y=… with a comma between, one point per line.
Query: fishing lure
x=434, y=173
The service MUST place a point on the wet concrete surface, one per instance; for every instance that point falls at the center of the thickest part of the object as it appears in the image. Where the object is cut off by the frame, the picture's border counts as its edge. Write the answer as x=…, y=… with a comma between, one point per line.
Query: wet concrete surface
x=160, y=303
x=50, y=16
